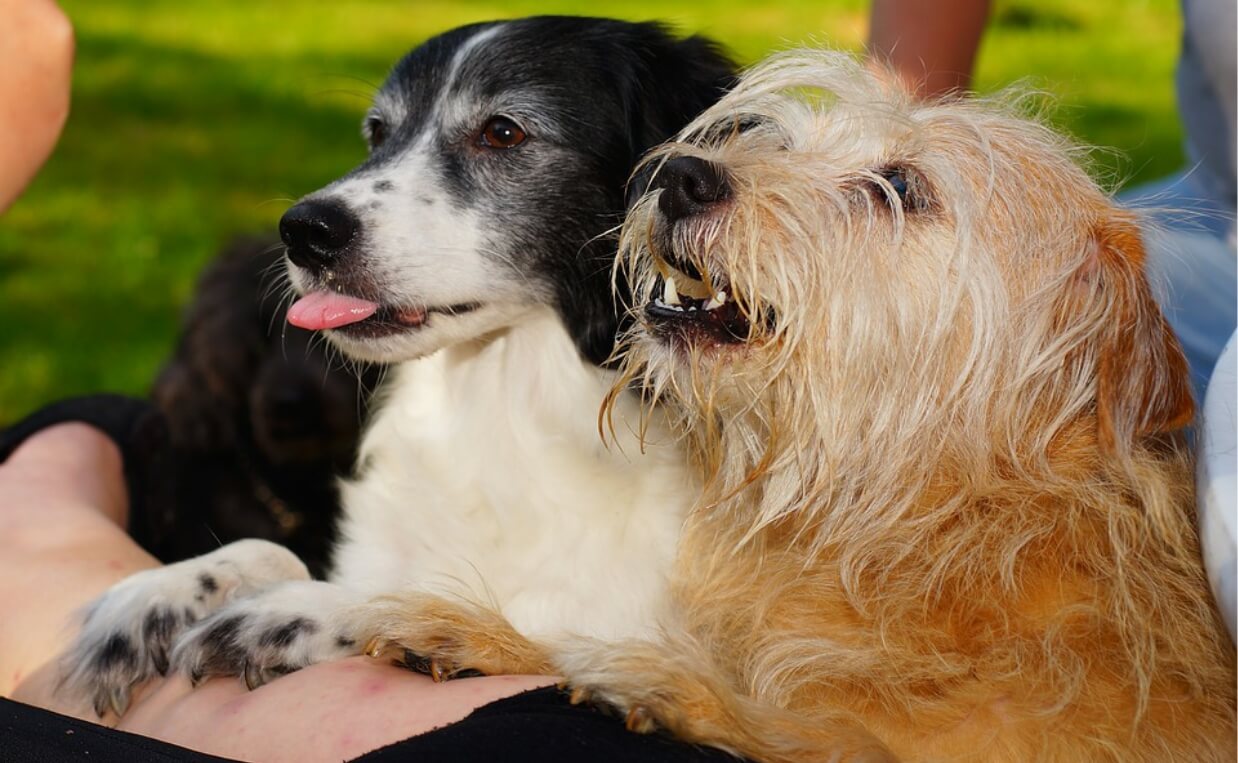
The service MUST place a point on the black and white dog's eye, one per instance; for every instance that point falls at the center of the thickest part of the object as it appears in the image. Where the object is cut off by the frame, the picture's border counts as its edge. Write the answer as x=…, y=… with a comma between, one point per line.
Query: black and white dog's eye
x=375, y=130
x=501, y=132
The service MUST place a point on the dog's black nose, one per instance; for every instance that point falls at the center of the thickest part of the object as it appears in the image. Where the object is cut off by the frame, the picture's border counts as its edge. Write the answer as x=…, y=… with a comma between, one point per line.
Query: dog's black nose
x=689, y=187
x=316, y=232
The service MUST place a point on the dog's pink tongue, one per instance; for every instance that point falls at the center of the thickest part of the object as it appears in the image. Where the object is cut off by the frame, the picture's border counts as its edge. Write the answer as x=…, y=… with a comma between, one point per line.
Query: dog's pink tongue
x=327, y=310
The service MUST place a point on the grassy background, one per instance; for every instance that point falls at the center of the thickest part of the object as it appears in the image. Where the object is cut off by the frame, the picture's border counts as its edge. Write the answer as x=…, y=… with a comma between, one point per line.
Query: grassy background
x=194, y=120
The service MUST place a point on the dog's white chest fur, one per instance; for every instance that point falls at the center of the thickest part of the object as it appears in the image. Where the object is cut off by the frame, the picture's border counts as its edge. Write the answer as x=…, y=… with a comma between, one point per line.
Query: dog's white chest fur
x=484, y=476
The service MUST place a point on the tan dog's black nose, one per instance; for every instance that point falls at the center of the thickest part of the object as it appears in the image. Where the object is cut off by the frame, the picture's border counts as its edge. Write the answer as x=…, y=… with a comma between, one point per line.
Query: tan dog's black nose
x=317, y=232
x=689, y=186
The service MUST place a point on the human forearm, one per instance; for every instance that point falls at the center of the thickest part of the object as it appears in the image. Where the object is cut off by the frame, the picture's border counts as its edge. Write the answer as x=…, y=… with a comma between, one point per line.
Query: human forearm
x=930, y=44
x=36, y=61
x=61, y=543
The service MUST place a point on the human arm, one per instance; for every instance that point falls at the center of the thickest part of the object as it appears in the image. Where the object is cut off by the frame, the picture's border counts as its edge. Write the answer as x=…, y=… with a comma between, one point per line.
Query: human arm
x=930, y=44
x=36, y=62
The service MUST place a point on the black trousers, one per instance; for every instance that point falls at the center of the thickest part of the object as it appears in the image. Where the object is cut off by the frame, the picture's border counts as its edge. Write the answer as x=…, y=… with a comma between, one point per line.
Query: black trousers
x=538, y=725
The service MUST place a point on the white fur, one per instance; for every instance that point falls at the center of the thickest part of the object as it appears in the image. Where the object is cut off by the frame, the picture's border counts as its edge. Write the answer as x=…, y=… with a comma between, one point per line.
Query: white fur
x=485, y=477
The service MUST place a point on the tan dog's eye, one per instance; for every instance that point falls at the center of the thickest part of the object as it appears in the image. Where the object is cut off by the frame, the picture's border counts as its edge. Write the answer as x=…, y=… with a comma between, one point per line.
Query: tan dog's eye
x=901, y=184
x=897, y=179
x=501, y=132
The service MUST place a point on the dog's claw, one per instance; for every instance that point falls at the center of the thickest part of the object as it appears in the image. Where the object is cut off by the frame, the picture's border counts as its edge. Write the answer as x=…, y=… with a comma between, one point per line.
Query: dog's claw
x=118, y=699
x=253, y=675
x=639, y=720
x=159, y=658
x=439, y=672
x=579, y=696
x=375, y=647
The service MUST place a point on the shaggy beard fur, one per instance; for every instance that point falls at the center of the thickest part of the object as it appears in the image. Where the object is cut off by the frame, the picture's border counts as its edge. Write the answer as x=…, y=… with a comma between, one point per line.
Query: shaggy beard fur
x=945, y=515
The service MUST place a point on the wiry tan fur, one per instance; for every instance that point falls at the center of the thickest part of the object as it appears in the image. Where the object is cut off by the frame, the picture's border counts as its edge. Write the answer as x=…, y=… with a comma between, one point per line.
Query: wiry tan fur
x=943, y=497
x=947, y=517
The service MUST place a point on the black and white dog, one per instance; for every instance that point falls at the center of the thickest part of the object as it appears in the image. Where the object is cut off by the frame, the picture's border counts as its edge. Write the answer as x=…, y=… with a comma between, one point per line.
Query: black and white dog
x=471, y=248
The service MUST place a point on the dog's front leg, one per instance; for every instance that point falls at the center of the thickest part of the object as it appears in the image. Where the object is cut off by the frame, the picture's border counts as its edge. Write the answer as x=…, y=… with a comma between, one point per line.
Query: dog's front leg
x=127, y=633
x=446, y=637
x=674, y=686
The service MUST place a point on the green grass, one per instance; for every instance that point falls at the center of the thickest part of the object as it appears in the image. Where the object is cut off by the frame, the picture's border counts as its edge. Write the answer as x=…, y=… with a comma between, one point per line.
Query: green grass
x=194, y=120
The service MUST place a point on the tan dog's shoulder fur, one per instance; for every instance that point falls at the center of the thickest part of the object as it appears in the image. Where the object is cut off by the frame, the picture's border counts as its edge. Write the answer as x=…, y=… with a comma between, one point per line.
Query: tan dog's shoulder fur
x=947, y=517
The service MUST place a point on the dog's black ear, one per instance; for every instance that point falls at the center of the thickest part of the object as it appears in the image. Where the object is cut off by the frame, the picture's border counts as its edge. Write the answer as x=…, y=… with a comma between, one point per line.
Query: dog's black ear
x=661, y=83
x=674, y=81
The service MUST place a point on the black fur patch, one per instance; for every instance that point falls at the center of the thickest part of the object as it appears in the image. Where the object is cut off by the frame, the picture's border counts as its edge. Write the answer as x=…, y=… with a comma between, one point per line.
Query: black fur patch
x=283, y=635
x=642, y=85
x=383, y=186
x=118, y=653
x=157, y=630
x=221, y=652
x=414, y=662
x=207, y=583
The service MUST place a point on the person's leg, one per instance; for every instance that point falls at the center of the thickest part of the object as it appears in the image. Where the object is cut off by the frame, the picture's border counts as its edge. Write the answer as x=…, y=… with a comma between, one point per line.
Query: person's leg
x=62, y=509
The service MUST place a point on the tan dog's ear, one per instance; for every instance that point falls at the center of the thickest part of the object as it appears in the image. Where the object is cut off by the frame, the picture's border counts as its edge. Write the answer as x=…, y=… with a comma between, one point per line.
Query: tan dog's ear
x=1143, y=381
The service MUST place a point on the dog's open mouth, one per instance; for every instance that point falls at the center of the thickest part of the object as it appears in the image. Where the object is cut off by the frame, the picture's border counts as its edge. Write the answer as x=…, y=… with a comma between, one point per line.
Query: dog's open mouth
x=686, y=307
x=360, y=318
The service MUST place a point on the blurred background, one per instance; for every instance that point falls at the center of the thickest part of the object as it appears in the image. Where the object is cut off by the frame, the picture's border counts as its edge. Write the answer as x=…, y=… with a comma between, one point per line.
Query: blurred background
x=196, y=120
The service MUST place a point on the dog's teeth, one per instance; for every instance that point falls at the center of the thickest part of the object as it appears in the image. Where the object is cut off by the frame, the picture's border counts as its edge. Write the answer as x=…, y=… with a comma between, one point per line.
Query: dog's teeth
x=716, y=301
x=669, y=295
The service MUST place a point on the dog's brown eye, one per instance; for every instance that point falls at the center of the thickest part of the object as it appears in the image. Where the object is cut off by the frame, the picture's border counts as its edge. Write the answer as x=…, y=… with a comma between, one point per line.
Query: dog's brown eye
x=375, y=130
x=501, y=132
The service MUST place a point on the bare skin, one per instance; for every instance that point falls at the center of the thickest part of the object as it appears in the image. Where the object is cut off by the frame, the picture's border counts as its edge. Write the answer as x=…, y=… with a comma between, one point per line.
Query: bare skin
x=62, y=510
x=36, y=60
x=930, y=44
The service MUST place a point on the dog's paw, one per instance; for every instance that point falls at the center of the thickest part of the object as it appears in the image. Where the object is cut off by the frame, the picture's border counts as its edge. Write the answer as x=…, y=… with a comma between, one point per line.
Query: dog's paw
x=638, y=716
x=128, y=632
x=439, y=668
x=280, y=629
x=447, y=638
x=439, y=656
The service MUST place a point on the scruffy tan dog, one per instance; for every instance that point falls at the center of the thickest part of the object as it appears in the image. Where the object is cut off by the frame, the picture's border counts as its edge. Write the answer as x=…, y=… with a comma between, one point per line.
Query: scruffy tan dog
x=914, y=350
